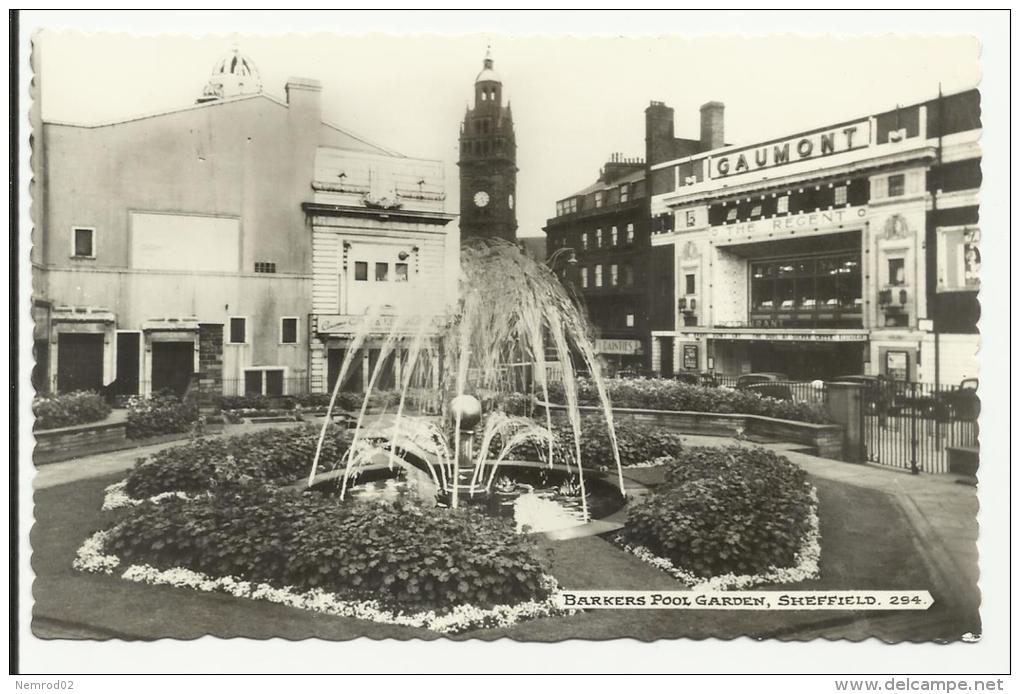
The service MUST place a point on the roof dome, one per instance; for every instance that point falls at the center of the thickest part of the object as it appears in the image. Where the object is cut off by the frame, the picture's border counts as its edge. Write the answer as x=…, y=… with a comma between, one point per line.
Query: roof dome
x=233, y=75
x=487, y=74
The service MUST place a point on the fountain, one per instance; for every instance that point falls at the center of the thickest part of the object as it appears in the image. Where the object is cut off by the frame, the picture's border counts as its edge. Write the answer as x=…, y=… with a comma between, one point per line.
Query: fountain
x=510, y=311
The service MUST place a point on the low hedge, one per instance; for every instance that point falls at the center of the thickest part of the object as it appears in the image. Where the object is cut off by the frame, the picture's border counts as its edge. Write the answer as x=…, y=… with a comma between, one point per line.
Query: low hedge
x=666, y=394
x=402, y=554
x=346, y=401
x=69, y=409
x=637, y=443
x=725, y=510
x=266, y=456
x=160, y=414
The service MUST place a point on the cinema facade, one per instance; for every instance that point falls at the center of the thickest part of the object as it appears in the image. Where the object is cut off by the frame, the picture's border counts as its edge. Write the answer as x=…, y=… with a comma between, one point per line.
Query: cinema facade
x=852, y=248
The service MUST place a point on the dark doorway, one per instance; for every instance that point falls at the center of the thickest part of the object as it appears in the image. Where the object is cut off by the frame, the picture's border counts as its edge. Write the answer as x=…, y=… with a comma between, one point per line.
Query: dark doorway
x=666, y=357
x=807, y=361
x=173, y=364
x=126, y=382
x=79, y=362
x=386, y=379
x=353, y=383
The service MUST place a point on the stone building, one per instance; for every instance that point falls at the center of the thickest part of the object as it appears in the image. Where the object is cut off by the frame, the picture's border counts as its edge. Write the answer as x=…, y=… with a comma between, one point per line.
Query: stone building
x=190, y=248
x=849, y=248
x=488, y=162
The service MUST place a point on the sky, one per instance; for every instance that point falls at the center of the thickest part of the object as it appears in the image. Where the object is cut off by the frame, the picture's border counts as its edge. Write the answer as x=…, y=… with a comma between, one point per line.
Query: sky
x=575, y=100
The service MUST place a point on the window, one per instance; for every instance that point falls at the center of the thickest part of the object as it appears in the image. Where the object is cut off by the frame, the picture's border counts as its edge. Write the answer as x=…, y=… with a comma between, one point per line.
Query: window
x=238, y=330
x=382, y=272
x=896, y=185
x=584, y=277
x=598, y=238
x=288, y=331
x=731, y=216
x=624, y=192
x=265, y=267
x=613, y=237
x=598, y=275
x=630, y=320
x=630, y=233
x=361, y=271
x=897, y=271
x=628, y=275
x=584, y=240
x=263, y=381
x=839, y=195
x=83, y=239
x=689, y=283
x=783, y=204
x=598, y=198
x=614, y=274
x=400, y=272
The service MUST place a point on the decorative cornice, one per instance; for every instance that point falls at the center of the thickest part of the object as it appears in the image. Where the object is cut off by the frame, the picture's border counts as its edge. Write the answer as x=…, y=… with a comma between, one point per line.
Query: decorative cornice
x=400, y=215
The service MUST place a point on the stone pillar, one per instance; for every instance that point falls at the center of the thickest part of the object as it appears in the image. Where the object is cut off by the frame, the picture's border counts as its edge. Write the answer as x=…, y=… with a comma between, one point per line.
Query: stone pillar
x=210, y=361
x=845, y=402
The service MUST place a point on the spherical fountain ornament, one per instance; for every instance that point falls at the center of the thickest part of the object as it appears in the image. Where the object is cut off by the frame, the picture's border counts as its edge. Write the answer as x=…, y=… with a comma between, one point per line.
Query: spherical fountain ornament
x=468, y=409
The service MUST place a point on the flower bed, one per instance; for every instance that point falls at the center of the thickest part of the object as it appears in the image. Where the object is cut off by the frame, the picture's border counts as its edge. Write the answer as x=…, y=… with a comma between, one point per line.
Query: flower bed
x=728, y=517
x=638, y=444
x=443, y=569
x=68, y=409
x=265, y=456
x=160, y=414
x=666, y=394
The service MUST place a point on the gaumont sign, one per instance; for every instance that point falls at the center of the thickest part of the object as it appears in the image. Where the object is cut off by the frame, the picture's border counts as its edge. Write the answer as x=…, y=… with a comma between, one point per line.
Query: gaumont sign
x=823, y=143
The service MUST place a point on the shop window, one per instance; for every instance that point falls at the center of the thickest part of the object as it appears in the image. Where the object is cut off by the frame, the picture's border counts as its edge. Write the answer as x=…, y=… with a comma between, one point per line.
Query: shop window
x=897, y=271
x=630, y=233
x=630, y=320
x=400, y=272
x=288, y=331
x=238, y=330
x=361, y=271
x=839, y=195
x=584, y=277
x=84, y=242
x=689, y=284
x=598, y=275
x=783, y=204
x=897, y=183
x=382, y=272
x=614, y=274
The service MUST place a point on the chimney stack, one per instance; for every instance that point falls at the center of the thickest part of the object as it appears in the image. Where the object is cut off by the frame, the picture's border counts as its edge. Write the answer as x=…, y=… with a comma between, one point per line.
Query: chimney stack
x=658, y=133
x=712, y=136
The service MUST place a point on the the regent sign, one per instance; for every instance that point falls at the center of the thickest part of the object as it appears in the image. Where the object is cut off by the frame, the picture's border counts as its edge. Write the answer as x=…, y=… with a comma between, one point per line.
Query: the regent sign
x=843, y=138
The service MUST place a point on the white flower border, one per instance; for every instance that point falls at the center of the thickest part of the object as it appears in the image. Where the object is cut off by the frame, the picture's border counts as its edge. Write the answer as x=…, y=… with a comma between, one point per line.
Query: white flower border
x=805, y=566
x=91, y=557
x=116, y=496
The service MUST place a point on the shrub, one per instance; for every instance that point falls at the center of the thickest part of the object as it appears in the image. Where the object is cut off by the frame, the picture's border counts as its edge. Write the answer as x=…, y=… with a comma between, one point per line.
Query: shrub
x=666, y=394
x=265, y=456
x=404, y=555
x=68, y=409
x=725, y=510
x=160, y=414
x=637, y=443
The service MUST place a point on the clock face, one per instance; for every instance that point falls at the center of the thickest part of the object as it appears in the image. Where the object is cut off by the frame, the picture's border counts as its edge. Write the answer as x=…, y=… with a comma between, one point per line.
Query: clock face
x=481, y=198
x=510, y=201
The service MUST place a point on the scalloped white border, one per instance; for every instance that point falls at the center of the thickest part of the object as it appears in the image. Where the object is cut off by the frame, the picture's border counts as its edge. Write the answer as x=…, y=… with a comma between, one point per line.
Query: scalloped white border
x=91, y=557
x=805, y=567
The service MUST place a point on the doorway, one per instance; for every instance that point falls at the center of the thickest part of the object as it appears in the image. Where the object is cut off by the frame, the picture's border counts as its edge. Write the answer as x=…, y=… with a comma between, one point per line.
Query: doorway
x=354, y=381
x=173, y=364
x=79, y=362
x=126, y=382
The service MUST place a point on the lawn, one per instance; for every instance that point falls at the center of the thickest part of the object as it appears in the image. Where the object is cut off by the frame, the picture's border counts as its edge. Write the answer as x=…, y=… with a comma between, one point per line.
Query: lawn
x=867, y=544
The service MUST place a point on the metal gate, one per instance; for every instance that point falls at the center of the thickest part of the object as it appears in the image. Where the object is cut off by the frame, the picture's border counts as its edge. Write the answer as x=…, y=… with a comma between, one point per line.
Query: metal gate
x=913, y=425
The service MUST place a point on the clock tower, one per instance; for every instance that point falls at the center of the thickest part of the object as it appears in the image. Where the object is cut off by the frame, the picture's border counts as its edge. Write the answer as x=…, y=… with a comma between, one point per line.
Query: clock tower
x=488, y=163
